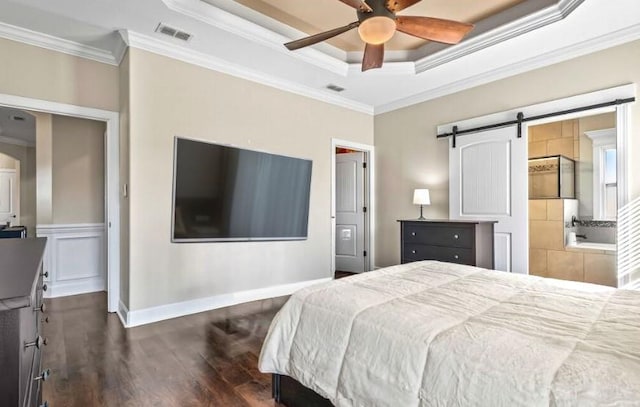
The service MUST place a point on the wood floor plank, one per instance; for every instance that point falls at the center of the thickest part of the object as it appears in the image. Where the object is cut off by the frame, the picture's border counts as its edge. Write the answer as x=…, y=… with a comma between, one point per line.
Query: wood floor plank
x=207, y=359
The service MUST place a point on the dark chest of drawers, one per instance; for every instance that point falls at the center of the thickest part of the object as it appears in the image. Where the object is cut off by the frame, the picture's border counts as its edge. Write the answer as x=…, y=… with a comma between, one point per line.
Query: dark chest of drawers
x=462, y=242
x=21, y=316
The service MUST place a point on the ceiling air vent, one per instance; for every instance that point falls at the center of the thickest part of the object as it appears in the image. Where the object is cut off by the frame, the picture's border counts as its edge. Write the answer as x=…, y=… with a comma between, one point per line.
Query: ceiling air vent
x=335, y=88
x=173, y=32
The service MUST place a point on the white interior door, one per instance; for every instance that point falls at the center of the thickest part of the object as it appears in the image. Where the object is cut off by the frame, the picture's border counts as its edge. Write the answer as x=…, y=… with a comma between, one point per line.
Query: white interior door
x=9, y=198
x=350, y=215
x=488, y=181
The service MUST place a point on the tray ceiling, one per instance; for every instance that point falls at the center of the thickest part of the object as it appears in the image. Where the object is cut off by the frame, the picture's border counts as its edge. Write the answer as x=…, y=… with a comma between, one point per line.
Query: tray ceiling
x=322, y=15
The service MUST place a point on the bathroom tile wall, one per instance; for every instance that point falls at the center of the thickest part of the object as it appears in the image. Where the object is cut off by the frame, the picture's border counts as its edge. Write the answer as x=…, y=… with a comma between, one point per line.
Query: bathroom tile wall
x=559, y=138
x=548, y=256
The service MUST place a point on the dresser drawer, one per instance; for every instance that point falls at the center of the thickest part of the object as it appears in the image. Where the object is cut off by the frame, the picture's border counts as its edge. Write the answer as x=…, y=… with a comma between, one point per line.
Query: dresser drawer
x=417, y=252
x=439, y=235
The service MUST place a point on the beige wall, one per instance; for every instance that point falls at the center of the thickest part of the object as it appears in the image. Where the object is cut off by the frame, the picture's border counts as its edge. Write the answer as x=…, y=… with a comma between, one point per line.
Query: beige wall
x=408, y=154
x=43, y=74
x=27, y=158
x=77, y=170
x=170, y=98
x=124, y=180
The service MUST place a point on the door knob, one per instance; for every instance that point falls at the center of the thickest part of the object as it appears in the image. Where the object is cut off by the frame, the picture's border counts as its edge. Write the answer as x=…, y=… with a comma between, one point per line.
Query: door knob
x=43, y=376
x=40, y=341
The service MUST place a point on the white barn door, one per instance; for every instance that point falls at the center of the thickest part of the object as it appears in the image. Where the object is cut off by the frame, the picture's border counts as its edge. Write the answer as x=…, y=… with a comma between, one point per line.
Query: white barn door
x=488, y=181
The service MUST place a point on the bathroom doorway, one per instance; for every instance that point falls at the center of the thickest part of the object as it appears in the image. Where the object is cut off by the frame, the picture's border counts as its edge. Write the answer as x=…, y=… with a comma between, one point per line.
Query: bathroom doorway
x=573, y=199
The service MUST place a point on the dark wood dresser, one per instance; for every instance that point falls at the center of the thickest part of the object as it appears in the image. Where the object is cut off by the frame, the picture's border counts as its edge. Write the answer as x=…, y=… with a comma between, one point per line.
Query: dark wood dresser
x=21, y=315
x=462, y=242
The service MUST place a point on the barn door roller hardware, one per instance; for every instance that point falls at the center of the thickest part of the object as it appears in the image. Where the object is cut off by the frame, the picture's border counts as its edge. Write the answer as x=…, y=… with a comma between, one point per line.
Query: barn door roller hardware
x=520, y=118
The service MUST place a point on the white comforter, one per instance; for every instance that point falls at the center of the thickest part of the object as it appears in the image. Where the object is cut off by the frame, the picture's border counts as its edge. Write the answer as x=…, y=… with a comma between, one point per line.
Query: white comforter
x=438, y=334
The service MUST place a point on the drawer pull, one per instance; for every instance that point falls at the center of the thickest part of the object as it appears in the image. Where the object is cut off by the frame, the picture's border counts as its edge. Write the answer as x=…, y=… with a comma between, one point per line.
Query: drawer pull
x=44, y=287
x=456, y=237
x=41, y=308
x=43, y=376
x=45, y=320
x=413, y=252
x=45, y=404
x=45, y=274
x=40, y=341
x=455, y=256
x=413, y=233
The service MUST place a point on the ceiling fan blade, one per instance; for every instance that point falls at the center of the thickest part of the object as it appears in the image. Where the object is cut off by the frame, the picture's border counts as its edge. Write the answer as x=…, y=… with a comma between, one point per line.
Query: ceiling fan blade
x=396, y=5
x=314, y=39
x=373, y=57
x=359, y=5
x=433, y=29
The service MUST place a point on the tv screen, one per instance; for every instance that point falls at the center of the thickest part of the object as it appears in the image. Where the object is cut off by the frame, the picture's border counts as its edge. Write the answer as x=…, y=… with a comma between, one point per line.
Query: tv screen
x=223, y=193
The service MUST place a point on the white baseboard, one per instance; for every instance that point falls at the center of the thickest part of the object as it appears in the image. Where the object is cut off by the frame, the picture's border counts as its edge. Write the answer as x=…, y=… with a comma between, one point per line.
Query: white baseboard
x=123, y=313
x=74, y=288
x=179, y=309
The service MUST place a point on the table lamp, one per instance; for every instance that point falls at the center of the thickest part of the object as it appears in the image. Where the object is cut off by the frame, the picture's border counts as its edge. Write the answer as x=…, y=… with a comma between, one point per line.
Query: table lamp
x=421, y=197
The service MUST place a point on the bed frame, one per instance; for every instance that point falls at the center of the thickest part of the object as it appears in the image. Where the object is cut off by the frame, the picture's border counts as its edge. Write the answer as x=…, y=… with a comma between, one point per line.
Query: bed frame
x=291, y=393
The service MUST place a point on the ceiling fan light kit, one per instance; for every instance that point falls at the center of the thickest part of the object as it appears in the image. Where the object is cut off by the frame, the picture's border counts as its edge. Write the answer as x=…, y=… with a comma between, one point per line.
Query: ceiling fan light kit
x=377, y=23
x=377, y=30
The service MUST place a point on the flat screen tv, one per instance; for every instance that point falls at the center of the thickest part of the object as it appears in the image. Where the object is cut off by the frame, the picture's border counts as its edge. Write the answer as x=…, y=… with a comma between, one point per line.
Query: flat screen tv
x=223, y=193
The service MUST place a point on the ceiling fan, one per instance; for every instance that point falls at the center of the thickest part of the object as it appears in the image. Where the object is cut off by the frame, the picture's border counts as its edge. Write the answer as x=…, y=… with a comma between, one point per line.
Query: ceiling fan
x=377, y=22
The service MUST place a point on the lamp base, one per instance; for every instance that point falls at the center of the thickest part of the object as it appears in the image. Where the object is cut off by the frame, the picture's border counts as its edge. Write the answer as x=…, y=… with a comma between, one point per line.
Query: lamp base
x=421, y=217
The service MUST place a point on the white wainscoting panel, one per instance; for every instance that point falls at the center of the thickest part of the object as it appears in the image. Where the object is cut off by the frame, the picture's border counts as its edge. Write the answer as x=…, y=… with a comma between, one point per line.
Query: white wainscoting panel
x=75, y=258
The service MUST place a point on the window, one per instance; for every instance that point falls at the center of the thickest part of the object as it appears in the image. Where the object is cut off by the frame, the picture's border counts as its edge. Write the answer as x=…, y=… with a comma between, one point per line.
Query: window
x=605, y=177
x=608, y=186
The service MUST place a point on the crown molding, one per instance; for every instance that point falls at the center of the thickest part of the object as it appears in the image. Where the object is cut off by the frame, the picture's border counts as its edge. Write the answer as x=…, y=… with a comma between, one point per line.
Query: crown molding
x=157, y=46
x=613, y=39
x=224, y=20
x=120, y=49
x=499, y=34
x=19, y=34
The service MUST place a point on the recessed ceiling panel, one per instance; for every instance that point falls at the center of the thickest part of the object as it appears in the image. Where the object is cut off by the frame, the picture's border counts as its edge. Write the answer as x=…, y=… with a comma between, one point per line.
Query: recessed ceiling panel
x=322, y=15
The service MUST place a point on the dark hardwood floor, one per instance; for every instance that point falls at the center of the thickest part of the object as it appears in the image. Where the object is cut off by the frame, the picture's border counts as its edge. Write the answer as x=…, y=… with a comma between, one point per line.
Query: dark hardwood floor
x=343, y=274
x=207, y=359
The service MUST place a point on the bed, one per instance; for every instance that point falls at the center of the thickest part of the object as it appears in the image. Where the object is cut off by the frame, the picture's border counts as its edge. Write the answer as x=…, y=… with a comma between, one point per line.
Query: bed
x=439, y=334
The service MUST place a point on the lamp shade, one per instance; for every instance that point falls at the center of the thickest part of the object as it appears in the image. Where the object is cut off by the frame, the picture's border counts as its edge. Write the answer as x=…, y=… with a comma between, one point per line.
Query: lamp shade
x=421, y=197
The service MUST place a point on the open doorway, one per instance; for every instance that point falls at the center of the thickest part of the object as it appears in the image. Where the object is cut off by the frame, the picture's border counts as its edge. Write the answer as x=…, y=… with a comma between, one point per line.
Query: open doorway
x=17, y=173
x=60, y=194
x=352, y=171
x=9, y=191
x=108, y=245
x=573, y=199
